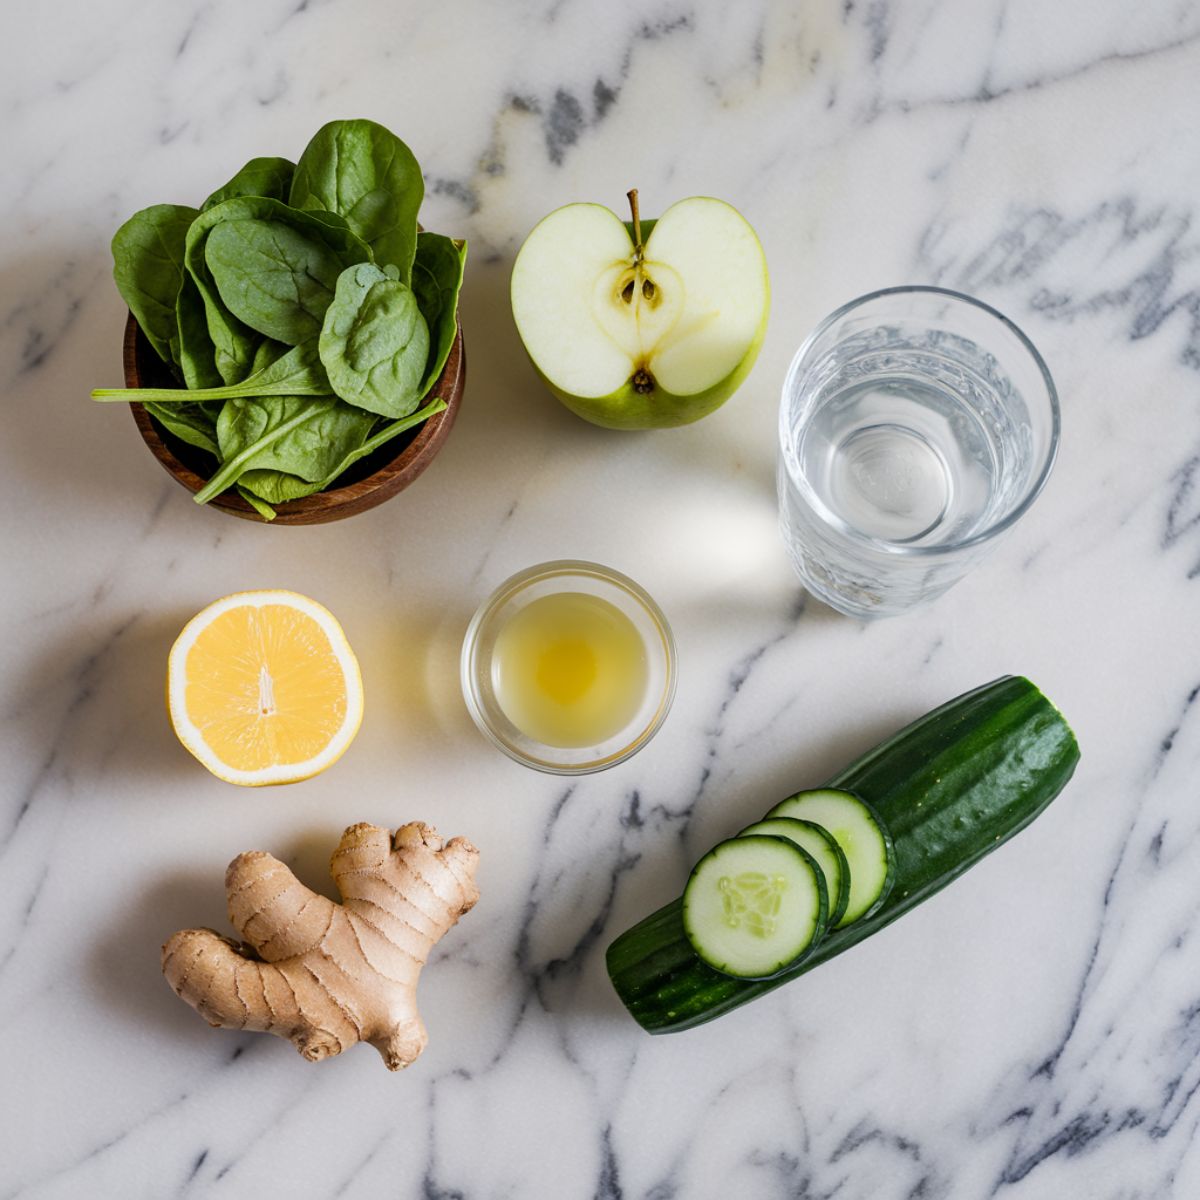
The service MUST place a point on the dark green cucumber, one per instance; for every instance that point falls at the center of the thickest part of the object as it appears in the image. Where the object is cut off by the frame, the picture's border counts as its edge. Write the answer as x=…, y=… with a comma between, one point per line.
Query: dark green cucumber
x=950, y=787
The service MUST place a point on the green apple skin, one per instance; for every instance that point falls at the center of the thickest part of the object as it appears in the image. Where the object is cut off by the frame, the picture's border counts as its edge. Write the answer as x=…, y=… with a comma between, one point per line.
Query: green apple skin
x=628, y=409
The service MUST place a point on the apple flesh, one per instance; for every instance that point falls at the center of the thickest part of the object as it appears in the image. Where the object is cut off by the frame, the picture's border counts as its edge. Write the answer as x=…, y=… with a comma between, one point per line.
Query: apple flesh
x=642, y=336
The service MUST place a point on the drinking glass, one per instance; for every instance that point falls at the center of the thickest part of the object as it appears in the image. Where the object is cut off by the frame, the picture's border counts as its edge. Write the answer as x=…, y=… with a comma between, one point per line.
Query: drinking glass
x=917, y=426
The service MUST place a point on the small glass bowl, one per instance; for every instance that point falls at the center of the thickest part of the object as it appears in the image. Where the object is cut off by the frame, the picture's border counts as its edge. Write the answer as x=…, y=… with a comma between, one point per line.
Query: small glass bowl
x=552, y=578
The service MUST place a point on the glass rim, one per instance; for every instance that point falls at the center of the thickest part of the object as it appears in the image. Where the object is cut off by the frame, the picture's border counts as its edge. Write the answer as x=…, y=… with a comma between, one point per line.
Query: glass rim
x=900, y=550
x=514, y=585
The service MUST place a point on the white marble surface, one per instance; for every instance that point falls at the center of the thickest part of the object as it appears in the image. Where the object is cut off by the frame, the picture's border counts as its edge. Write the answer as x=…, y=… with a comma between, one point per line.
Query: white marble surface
x=1032, y=1034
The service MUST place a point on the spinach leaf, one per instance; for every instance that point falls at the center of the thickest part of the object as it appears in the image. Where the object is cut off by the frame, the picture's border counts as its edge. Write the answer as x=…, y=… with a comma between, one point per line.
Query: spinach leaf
x=276, y=487
x=233, y=343
x=193, y=347
x=299, y=435
x=278, y=276
x=189, y=422
x=148, y=268
x=369, y=176
x=297, y=373
x=259, y=177
x=267, y=352
x=381, y=437
x=374, y=343
x=436, y=280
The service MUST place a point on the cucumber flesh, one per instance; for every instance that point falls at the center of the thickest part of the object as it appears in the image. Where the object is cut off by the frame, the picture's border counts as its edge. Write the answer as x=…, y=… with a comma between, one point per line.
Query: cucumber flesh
x=824, y=848
x=863, y=838
x=754, y=905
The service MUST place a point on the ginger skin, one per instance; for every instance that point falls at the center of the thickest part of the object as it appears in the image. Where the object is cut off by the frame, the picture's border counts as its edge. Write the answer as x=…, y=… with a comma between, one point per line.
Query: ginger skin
x=327, y=975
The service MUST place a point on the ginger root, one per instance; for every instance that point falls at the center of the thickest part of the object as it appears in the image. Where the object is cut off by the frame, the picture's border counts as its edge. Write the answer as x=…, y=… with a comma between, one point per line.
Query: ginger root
x=327, y=975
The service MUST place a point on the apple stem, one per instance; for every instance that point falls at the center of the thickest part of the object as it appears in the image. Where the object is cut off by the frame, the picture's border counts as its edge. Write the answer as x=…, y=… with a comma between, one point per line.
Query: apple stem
x=637, y=226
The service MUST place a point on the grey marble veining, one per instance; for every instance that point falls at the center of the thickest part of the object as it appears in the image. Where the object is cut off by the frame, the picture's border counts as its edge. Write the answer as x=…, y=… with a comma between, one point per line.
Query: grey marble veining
x=1033, y=1033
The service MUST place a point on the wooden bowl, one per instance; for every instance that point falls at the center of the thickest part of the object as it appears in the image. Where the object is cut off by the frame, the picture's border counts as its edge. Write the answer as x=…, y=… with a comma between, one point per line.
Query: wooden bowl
x=367, y=483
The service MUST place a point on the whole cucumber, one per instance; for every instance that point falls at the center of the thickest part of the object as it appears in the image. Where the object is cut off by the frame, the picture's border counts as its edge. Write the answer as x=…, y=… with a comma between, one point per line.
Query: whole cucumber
x=951, y=787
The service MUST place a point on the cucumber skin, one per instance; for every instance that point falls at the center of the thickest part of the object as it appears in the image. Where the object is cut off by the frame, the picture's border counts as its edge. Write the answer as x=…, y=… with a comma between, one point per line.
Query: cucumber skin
x=950, y=788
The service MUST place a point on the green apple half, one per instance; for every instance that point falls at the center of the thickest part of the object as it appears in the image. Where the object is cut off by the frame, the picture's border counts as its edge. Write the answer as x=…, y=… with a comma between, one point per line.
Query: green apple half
x=634, y=336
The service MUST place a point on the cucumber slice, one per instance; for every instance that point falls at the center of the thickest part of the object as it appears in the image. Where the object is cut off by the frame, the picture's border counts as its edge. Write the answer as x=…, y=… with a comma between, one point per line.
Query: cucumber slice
x=824, y=848
x=754, y=905
x=865, y=842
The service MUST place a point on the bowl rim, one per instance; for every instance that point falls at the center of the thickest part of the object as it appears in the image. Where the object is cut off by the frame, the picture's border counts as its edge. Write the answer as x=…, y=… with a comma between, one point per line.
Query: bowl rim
x=333, y=503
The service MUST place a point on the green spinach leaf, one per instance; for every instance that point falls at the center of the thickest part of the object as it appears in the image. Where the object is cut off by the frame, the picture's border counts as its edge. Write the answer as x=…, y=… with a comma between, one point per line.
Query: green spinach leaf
x=267, y=352
x=276, y=487
x=259, y=177
x=193, y=347
x=298, y=372
x=299, y=435
x=436, y=281
x=278, y=276
x=148, y=268
x=381, y=437
x=190, y=423
x=364, y=172
x=374, y=343
x=232, y=344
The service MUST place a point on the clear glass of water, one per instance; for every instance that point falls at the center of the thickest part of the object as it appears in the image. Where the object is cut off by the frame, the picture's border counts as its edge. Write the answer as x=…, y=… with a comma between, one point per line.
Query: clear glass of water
x=917, y=426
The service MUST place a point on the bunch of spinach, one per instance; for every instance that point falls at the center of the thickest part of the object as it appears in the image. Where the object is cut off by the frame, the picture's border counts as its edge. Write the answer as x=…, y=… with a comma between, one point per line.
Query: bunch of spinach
x=303, y=313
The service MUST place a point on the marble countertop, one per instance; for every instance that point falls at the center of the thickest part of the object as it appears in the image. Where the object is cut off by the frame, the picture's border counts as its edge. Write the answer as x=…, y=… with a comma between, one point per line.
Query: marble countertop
x=1031, y=1034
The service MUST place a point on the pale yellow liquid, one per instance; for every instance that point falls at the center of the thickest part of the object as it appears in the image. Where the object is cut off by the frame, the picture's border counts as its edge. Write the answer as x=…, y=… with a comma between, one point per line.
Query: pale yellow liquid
x=569, y=670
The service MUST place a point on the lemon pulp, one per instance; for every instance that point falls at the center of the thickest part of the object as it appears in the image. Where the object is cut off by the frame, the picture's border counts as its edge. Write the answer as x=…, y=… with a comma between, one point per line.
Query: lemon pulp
x=262, y=687
x=569, y=670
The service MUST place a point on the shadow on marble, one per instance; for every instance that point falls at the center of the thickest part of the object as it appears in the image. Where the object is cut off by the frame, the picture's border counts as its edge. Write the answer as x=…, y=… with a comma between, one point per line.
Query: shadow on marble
x=414, y=681
x=125, y=961
x=103, y=683
x=71, y=450
x=505, y=401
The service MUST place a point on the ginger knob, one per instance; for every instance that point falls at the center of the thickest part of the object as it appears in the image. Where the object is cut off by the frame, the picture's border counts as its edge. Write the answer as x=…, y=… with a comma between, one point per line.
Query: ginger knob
x=326, y=975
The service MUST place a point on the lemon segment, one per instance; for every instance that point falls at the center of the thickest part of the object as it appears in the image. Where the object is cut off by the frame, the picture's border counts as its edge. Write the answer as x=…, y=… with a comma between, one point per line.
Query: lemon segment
x=262, y=687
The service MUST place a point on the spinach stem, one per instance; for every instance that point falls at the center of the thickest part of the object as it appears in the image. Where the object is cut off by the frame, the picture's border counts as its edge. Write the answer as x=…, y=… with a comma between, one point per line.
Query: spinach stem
x=231, y=391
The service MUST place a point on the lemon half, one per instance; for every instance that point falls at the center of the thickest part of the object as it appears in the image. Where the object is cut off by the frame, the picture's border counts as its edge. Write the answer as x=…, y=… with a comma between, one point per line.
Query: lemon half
x=262, y=687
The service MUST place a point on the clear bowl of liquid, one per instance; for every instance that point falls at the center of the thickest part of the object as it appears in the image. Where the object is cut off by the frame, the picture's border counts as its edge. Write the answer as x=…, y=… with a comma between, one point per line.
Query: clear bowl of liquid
x=569, y=667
